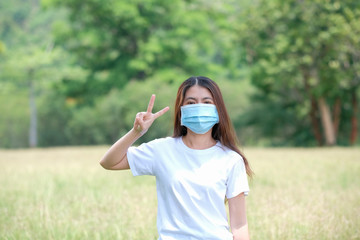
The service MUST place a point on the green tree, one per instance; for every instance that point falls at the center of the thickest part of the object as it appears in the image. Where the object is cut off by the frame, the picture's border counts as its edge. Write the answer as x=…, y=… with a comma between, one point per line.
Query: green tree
x=304, y=58
x=137, y=48
x=122, y=41
x=30, y=65
x=17, y=23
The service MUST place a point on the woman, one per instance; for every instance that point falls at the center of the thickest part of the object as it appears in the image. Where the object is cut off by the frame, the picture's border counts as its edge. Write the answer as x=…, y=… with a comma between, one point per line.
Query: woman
x=195, y=169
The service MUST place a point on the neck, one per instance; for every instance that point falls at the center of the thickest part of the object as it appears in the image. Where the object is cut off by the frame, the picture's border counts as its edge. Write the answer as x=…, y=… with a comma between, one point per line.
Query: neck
x=198, y=141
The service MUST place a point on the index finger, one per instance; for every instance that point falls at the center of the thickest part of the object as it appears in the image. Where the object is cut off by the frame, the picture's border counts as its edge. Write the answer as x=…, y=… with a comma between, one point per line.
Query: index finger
x=151, y=103
x=161, y=112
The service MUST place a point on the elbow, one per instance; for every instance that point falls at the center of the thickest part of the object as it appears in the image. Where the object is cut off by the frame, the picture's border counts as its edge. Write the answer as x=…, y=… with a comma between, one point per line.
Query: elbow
x=103, y=164
x=241, y=237
x=113, y=164
x=241, y=233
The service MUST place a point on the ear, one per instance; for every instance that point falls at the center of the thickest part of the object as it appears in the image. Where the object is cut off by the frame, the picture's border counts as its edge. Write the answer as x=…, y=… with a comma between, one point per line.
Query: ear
x=183, y=130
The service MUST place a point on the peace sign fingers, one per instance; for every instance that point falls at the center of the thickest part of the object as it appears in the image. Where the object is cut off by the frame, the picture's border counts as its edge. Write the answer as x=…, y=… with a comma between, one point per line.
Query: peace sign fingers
x=144, y=120
x=151, y=105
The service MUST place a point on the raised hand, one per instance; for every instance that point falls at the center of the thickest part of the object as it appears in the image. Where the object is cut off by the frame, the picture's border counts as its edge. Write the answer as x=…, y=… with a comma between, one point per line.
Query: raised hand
x=144, y=120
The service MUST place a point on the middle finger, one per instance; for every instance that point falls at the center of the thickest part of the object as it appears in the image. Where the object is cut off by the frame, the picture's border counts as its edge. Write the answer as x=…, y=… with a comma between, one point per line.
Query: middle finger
x=151, y=103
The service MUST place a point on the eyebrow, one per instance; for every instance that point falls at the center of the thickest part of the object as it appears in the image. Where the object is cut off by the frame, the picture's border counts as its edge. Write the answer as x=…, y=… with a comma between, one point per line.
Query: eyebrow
x=192, y=98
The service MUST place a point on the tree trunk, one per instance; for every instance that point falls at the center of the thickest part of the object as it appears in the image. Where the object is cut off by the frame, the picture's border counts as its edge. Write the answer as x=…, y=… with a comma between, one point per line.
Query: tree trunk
x=354, y=127
x=314, y=121
x=33, y=111
x=337, y=114
x=314, y=110
x=327, y=122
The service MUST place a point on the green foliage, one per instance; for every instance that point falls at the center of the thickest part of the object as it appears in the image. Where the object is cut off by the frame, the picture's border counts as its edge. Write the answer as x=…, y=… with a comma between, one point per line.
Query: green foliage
x=13, y=116
x=30, y=64
x=119, y=41
x=270, y=125
x=113, y=115
x=94, y=64
x=298, y=51
x=53, y=116
x=2, y=47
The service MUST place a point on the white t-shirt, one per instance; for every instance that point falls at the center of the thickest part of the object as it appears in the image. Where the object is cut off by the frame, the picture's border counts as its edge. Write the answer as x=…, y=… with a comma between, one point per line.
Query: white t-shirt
x=191, y=186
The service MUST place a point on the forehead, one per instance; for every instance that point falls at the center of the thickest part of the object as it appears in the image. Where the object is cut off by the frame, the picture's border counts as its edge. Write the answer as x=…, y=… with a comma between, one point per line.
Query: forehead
x=197, y=91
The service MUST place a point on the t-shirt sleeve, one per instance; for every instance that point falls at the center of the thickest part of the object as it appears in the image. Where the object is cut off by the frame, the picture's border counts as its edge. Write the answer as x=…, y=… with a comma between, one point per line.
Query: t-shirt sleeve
x=141, y=159
x=237, y=180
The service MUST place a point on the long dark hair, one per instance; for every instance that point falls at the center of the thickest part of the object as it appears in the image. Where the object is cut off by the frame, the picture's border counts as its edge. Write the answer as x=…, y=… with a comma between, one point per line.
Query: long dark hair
x=224, y=130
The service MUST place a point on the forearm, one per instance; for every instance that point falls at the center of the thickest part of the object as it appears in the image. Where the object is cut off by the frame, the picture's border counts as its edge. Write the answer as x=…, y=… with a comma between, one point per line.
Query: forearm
x=118, y=150
x=238, y=221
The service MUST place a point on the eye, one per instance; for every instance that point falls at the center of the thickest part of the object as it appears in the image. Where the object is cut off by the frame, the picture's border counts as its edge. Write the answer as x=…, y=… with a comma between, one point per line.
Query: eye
x=190, y=102
x=208, y=101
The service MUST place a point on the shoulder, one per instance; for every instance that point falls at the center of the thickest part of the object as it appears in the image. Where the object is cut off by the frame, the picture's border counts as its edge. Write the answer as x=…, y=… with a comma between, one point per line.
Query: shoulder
x=232, y=156
x=165, y=140
x=152, y=148
x=160, y=142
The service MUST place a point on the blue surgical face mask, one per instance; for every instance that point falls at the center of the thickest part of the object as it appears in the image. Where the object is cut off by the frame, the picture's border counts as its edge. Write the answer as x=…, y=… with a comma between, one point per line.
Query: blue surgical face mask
x=199, y=118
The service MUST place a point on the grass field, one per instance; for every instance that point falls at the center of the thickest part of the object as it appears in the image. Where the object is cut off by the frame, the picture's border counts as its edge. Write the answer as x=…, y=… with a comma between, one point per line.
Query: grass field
x=63, y=193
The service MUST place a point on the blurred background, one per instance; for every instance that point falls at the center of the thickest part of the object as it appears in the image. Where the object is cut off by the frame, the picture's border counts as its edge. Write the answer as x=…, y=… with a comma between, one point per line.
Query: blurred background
x=75, y=72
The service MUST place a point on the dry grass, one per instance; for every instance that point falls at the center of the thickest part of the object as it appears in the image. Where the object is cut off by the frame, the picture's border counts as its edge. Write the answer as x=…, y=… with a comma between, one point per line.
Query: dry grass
x=305, y=194
x=63, y=193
